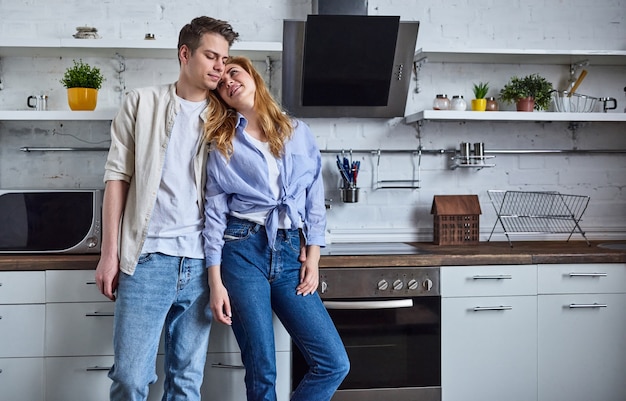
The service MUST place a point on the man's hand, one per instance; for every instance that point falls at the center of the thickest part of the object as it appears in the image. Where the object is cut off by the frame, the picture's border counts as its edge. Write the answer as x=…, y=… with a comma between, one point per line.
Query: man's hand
x=107, y=275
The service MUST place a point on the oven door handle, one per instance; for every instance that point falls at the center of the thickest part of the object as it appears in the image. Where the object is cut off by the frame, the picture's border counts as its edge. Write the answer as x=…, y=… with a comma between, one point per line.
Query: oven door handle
x=390, y=304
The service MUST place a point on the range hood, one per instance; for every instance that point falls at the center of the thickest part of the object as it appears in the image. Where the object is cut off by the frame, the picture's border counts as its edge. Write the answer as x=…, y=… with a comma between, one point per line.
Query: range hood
x=347, y=65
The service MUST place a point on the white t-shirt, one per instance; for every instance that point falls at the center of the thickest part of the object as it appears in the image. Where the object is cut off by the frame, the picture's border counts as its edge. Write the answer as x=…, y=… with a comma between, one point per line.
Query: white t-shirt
x=177, y=220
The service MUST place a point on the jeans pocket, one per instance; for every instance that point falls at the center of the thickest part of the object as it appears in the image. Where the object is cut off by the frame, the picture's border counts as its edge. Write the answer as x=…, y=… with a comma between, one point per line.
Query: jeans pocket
x=295, y=240
x=238, y=230
x=144, y=257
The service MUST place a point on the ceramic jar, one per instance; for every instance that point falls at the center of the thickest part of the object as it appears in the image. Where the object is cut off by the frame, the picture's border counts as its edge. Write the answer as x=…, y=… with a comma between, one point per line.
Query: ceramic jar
x=458, y=103
x=441, y=102
x=492, y=104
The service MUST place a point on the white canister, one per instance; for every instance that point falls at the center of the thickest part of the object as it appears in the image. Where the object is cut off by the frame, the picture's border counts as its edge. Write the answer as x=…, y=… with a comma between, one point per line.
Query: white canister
x=458, y=103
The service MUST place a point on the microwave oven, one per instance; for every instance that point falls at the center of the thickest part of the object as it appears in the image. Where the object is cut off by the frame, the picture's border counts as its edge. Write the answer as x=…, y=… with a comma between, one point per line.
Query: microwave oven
x=50, y=220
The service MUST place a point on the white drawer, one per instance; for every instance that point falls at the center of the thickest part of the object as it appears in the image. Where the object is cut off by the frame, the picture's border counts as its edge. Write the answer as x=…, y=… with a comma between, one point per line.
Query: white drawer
x=78, y=378
x=224, y=377
x=22, y=330
x=582, y=278
x=72, y=286
x=75, y=329
x=496, y=280
x=22, y=287
x=22, y=379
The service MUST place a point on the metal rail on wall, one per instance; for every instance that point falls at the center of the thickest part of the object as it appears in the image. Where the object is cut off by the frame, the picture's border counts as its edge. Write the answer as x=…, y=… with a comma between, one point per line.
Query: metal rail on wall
x=475, y=164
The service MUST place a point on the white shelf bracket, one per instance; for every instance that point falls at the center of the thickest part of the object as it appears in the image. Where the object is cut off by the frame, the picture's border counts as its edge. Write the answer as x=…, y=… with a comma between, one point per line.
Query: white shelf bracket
x=120, y=74
x=417, y=66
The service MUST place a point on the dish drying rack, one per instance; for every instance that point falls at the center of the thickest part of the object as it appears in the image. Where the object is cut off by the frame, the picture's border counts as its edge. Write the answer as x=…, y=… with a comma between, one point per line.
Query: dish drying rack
x=523, y=212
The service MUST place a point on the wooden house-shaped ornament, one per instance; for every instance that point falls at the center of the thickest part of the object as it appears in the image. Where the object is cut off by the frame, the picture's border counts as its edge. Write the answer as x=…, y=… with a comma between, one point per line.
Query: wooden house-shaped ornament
x=456, y=219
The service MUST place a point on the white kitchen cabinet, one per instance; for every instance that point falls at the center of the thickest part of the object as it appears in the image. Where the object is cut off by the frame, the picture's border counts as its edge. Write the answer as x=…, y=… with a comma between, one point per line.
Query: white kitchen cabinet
x=582, y=332
x=79, y=352
x=21, y=379
x=488, y=333
x=22, y=319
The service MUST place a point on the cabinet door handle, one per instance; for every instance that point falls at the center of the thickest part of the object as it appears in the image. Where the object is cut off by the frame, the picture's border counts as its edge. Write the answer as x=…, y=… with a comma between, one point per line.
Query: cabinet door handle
x=583, y=306
x=493, y=277
x=91, y=282
x=488, y=308
x=99, y=314
x=220, y=365
x=97, y=368
x=587, y=274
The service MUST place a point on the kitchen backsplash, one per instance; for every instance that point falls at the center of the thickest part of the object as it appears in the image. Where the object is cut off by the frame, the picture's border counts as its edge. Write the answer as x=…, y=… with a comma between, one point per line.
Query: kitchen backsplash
x=380, y=214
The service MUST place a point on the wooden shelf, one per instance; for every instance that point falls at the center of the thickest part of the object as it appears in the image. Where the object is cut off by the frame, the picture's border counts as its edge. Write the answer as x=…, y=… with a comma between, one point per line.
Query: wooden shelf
x=521, y=56
x=450, y=115
x=158, y=48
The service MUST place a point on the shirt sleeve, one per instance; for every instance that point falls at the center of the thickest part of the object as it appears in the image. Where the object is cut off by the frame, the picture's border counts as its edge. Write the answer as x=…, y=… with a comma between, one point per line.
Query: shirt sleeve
x=315, y=208
x=215, y=213
x=120, y=162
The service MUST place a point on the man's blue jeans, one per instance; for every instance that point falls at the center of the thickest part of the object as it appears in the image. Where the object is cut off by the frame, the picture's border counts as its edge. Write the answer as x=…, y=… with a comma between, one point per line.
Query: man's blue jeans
x=259, y=280
x=170, y=295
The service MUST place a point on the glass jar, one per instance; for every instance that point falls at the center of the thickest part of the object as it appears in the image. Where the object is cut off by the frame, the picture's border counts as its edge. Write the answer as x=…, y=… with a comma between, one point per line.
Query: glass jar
x=492, y=104
x=441, y=102
x=458, y=103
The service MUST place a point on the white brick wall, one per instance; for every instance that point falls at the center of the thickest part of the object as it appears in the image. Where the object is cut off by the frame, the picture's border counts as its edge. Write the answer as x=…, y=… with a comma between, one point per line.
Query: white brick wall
x=381, y=214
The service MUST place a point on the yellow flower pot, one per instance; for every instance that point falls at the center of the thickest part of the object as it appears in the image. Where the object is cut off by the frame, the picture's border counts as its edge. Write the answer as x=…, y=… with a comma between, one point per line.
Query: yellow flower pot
x=82, y=98
x=479, y=104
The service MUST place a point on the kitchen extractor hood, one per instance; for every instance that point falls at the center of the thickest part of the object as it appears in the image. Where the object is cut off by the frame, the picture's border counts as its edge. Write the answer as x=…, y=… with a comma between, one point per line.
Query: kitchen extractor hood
x=347, y=65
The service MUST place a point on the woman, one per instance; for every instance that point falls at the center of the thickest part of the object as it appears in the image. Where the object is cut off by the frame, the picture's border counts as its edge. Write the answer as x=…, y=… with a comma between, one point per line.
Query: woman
x=265, y=194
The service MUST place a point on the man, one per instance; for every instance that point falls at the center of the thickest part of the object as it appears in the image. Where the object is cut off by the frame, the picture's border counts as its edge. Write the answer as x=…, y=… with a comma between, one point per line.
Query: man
x=152, y=262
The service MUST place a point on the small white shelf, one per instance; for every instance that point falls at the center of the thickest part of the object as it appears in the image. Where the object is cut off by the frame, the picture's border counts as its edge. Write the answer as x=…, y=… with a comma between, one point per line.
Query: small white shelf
x=450, y=115
x=521, y=56
x=57, y=115
x=138, y=48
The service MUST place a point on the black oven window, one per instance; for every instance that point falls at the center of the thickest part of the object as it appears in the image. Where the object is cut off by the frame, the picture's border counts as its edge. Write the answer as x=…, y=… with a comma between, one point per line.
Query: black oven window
x=388, y=348
x=44, y=221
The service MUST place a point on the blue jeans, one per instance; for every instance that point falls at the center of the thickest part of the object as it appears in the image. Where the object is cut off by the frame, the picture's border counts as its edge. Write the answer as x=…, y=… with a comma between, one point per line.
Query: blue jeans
x=170, y=295
x=259, y=281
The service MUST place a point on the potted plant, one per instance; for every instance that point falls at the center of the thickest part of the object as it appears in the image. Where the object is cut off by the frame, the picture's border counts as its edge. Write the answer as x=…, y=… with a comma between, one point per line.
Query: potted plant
x=529, y=93
x=82, y=82
x=479, y=103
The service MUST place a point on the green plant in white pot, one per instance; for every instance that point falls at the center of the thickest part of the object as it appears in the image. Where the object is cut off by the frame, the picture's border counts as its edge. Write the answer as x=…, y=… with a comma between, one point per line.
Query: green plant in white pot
x=82, y=82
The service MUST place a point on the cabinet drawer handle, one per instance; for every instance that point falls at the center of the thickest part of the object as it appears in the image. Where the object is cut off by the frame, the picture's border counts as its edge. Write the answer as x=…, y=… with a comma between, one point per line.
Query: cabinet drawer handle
x=582, y=306
x=220, y=365
x=90, y=283
x=487, y=308
x=97, y=368
x=99, y=314
x=493, y=277
x=587, y=274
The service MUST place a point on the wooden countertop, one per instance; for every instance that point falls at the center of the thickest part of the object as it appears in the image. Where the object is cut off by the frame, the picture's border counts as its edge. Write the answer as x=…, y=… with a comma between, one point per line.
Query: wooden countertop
x=484, y=253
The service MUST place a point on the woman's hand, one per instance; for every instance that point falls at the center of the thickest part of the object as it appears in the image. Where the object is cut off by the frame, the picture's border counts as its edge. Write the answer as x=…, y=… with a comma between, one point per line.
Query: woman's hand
x=220, y=302
x=309, y=272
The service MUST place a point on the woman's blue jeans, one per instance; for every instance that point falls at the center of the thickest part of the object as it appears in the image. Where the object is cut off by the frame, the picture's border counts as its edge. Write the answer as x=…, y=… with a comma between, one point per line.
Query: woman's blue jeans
x=260, y=280
x=165, y=294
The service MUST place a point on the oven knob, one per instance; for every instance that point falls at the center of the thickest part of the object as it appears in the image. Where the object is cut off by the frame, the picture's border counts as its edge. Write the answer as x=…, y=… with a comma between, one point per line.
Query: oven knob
x=428, y=284
x=397, y=285
x=413, y=284
x=383, y=285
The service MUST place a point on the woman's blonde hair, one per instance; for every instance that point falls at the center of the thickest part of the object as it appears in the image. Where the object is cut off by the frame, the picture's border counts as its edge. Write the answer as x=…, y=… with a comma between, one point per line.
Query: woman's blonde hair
x=221, y=122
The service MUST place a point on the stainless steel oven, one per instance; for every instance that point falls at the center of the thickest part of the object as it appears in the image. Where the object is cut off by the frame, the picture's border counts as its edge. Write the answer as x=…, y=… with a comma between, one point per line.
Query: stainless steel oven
x=389, y=319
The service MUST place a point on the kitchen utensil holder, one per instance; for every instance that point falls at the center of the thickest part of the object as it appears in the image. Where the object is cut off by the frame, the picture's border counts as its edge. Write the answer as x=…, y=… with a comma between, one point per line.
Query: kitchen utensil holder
x=350, y=195
x=522, y=212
